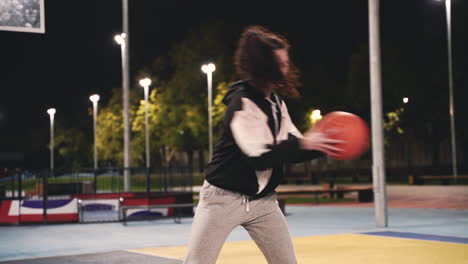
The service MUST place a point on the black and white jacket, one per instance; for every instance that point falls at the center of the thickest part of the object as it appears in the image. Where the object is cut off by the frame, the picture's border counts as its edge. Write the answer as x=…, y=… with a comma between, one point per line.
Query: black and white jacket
x=257, y=138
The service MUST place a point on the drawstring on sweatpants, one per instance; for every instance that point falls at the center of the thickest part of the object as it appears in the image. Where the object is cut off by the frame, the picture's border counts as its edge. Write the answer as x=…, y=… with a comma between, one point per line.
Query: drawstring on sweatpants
x=247, y=203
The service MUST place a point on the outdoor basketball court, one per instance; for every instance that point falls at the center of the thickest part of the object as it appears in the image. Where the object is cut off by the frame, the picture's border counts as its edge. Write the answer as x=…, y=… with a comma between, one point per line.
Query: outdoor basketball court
x=374, y=247
x=322, y=234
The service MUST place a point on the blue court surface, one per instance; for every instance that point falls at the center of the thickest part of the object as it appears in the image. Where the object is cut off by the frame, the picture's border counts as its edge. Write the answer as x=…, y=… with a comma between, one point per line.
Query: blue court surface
x=116, y=243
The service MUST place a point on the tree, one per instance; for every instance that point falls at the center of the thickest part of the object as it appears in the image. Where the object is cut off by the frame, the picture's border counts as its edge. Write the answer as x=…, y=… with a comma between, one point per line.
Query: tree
x=177, y=102
x=154, y=128
x=110, y=128
x=72, y=146
x=182, y=122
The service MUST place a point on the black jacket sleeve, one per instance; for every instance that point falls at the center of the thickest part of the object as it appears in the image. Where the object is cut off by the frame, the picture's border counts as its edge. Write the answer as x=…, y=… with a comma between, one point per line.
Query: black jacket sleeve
x=287, y=151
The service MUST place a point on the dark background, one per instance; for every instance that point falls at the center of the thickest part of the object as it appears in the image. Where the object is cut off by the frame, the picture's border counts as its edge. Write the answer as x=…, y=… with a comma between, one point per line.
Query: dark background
x=77, y=56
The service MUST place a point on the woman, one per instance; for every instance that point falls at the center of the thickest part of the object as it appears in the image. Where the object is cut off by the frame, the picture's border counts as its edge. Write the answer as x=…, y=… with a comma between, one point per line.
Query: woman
x=257, y=138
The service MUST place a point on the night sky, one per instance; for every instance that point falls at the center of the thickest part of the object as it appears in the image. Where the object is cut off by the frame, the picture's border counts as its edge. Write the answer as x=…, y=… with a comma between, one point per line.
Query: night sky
x=77, y=56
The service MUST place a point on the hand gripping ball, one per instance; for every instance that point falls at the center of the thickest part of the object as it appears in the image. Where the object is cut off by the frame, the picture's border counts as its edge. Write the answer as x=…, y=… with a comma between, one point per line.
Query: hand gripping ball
x=350, y=128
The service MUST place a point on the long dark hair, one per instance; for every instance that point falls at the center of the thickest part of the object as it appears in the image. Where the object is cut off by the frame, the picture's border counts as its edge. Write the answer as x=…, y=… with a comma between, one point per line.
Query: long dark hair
x=255, y=59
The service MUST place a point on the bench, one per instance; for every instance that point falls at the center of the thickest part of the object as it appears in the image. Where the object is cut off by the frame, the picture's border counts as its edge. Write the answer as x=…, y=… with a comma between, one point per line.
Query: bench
x=176, y=206
x=297, y=179
x=365, y=193
x=445, y=179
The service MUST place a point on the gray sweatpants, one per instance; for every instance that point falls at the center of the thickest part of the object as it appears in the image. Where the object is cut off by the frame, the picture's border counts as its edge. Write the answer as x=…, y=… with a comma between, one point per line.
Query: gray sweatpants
x=219, y=211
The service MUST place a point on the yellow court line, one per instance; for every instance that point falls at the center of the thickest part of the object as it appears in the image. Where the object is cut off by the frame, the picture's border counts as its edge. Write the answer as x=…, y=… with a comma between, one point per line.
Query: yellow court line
x=342, y=248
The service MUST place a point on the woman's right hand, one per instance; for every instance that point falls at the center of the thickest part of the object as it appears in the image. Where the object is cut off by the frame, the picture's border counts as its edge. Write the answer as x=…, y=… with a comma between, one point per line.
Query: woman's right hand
x=316, y=140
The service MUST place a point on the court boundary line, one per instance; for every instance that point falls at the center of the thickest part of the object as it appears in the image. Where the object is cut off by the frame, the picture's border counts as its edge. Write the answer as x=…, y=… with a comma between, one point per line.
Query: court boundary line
x=71, y=255
x=152, y=254
x=418, y=236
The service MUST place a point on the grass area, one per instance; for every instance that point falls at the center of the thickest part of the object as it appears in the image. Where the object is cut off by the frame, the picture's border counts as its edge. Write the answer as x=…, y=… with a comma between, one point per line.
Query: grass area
x=306, y=200
x=198, y=178
x=109, y=183
x=299, y=200
x=115, y=182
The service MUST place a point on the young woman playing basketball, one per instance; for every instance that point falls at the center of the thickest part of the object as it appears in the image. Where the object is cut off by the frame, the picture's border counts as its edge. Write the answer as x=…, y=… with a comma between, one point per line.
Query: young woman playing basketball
x=256, y=139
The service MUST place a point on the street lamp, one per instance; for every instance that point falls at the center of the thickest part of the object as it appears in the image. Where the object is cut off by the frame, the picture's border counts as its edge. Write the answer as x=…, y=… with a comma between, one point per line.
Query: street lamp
x=448, y=7
x=315, y=116
x=145, y=83
x=405, y=100
x=122, y=40
x=95, y=98
x=51, y=112
x=209, y=69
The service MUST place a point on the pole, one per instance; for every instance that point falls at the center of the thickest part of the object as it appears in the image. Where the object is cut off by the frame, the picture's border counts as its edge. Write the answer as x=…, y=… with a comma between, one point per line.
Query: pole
x=51, y=142
x=210, y=120
x=45, y=182
x=448, y=5
x=20, y=186
x=44, y=196
x=126, y=84
x=147, y=129
x=94, y=131
x=148, y=182
x=378, y=166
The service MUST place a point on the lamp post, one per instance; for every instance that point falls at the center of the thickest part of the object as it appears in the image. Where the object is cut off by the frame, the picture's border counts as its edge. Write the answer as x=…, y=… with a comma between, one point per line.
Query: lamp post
x=122, y=40
x=145, y=83
x=95, y=98
x=408, y=143
x=315, y=116
x=51, y=112
x=448, y=11
x=209, y=69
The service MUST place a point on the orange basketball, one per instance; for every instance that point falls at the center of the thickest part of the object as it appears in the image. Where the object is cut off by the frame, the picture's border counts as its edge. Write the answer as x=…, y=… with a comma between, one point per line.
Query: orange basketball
x=350, y=128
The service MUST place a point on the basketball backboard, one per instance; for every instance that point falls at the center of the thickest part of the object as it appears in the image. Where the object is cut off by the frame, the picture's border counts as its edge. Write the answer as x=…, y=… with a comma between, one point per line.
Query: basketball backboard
x=22, y=15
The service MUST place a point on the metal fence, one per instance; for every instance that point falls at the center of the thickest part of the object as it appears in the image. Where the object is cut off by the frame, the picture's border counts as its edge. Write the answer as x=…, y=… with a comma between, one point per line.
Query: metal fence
x=16, y=184
x=95, y=193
